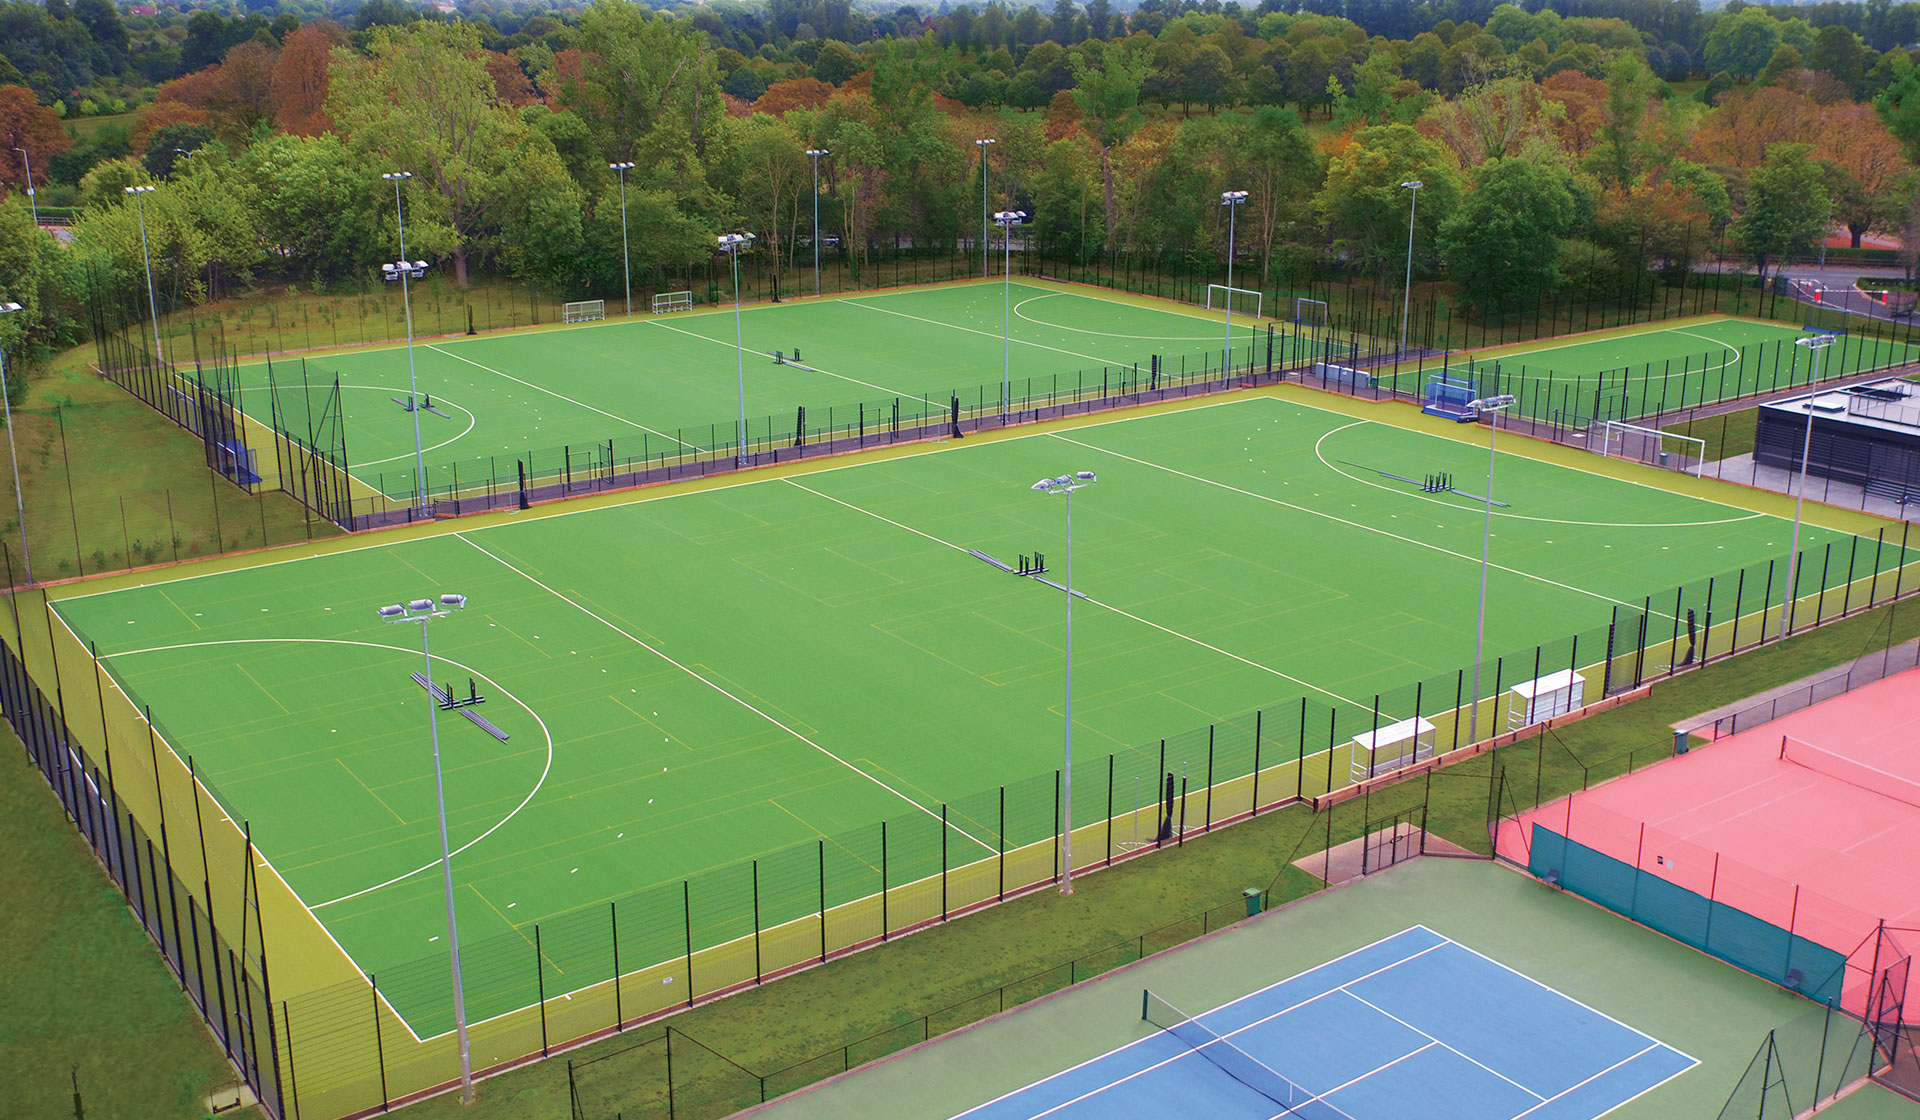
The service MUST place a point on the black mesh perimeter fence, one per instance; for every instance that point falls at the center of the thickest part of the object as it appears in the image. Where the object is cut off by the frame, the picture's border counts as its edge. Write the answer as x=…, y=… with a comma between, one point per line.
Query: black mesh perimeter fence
x=663, y=1069
x=364, y=1044
x=1359, y=339
x=162, y=869
x=1361, y=800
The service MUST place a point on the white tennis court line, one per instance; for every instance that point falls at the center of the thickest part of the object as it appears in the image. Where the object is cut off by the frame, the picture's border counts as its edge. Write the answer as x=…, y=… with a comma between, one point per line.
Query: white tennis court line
x=717, y=687
x=1103, y=605
x=1355, y=524
x=1653, y=1044
x=1343, y=989
x=561, y=396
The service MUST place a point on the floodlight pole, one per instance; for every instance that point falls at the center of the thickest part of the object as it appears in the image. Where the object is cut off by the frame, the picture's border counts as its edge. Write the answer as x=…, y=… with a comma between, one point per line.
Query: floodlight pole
x=1406, y=298
x=1007, y=219
x=1231, y=200
x=815, y=154
x=983, y=145
x=1815, y=343
x=731, y=244
x=31, y=201
x=397, y=178
x=1494, y=405
x=1067, y=484
x=19, y=497
x=153, y=306
x=626, y=259
x=424, y=611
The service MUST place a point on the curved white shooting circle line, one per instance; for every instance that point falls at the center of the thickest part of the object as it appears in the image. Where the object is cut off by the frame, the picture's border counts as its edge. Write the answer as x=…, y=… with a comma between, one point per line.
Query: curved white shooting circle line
x=1403, y=492
x=473, y=421
x=1019, y=314
x=496, y=685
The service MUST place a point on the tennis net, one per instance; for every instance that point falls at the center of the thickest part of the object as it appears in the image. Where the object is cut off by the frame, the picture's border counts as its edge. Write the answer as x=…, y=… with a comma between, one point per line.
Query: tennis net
x=1235, y=1062
x=1852, y=771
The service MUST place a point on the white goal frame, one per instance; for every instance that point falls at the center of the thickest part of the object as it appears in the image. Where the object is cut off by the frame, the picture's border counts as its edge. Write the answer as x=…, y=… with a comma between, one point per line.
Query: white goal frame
x=1301, y=303
x=1226, y=302
x=1653, y=437
x=583, y=311
x=672, y=301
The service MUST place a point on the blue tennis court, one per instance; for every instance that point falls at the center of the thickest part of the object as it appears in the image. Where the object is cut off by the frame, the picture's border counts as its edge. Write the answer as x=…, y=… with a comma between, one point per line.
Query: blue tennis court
x=1413, y=1025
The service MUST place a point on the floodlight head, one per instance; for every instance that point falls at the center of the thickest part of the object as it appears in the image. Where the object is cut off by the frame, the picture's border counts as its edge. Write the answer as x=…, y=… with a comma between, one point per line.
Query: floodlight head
x=6, y=308
x=183, y=152
x=395, y=176
x=1815, y=341
x=453, y=601
x=624, y=166
x=1045, y=485
x=137, y=190
x=393, y=613
x=1232, y=198
x=733, y=242
x=1413, y=184
x=1009, y=217
x=418, y=265
x=983, y=143
x=421, y=606
x=1493, y=404
x=816, y=153
x=1086, y=476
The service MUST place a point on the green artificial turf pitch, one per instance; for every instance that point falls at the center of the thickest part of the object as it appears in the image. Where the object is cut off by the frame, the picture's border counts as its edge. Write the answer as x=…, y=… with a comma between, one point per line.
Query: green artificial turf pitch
x=668, y=385
x=705, y=677
x=1658, y=369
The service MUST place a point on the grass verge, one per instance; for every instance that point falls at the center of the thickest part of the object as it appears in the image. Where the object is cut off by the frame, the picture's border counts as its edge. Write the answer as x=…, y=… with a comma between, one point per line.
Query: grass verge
x=112, y=484
x=1726, y=435
x=88, y=999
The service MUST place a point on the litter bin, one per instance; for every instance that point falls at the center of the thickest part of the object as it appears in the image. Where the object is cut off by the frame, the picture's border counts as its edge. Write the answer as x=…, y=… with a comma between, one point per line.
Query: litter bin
x=1252, y=895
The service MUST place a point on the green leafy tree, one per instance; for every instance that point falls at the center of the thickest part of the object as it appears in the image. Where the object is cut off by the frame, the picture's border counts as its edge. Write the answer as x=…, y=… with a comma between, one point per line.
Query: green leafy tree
x=1107, y=91
x=1742, y=43
x=323, y=206
x=647, y=87
x=1502, y=244
x=165, y=146
x=1363, y=204
x=1899, y=103
x=1836, y=50
x=1787, y=206
x=421, y=100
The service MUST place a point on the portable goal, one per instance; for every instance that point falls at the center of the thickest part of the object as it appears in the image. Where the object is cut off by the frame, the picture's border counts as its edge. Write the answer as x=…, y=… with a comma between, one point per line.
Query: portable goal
x=1621, y=440
x=672, y=301
x=583, y=311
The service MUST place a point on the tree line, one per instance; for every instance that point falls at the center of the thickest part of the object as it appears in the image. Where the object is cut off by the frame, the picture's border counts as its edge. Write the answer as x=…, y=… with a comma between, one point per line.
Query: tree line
x=1553, y=151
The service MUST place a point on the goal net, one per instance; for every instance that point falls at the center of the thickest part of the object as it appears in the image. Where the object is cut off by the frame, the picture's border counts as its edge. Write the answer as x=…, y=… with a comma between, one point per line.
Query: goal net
x=1621, y=440
x=583, y=311
x=1239, y=301
x=672, y=301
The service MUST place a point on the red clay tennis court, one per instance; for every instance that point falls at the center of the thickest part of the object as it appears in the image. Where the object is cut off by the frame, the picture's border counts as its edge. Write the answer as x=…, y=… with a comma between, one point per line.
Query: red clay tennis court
x=1791, y=849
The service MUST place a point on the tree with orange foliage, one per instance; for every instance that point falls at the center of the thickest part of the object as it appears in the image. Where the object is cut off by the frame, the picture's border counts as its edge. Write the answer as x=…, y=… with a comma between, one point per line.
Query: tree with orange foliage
x=1583, y=104
x=160, y=114
x=25, y=123
x=1867, y=174
x=510, y=83
x=299, y=84
x=243, y=94
x=794, y=93
x=1748, y=121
